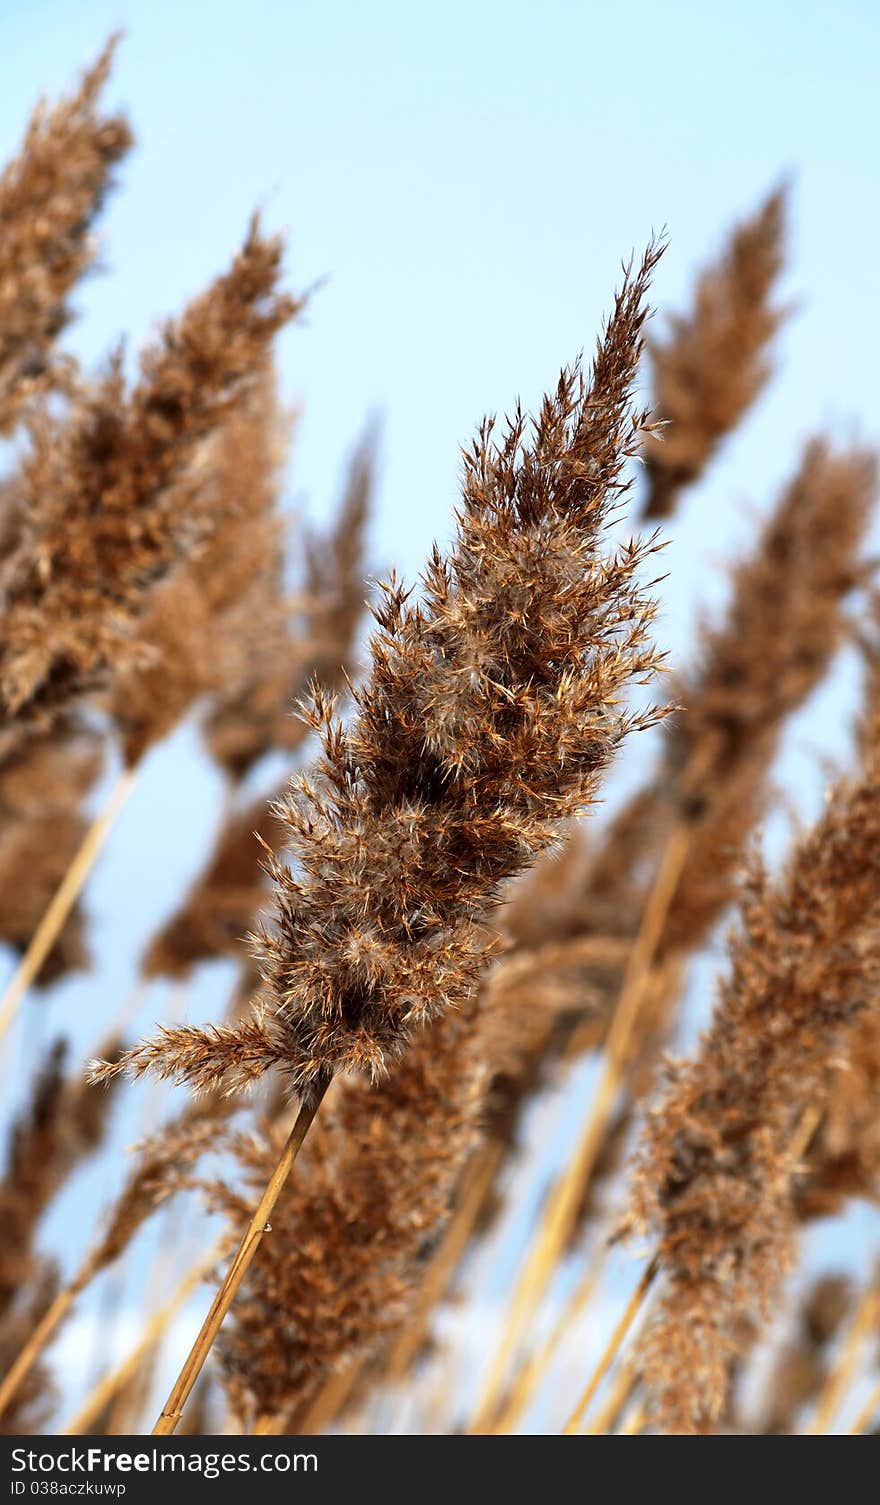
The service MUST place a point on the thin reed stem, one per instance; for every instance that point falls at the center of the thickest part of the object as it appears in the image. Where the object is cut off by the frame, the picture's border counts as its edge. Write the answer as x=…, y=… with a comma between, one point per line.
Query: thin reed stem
x=68, y=892
x=619, y=1392
x=561, y=1212
x=259, y=1224
x=839, y=1376
x=630, y=1312
x=633, y=1423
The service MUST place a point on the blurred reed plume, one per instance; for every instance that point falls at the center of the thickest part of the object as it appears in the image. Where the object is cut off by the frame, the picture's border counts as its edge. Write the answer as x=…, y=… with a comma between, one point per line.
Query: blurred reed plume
x=43, y=785
x=62, y=1124
x=432, y=982
x=101, y=518
x=723, y=1146
x=50, y=196
x=714, y=362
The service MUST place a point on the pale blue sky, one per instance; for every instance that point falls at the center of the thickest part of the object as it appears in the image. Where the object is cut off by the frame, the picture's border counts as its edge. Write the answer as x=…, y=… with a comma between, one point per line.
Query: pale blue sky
x=466, y=178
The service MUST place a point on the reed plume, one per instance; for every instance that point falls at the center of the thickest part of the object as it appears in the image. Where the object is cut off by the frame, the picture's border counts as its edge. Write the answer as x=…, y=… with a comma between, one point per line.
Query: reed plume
x=50, y=196
x=721, y=1150
x=101, y=520
x=714, y=361
x=223, y=903
x=44, y=781
x=63, y=1123
x=351, y=1237
x=251, y=716
x=490, y=712
x=209, y=618
x=571, y=925
x=843, y=1161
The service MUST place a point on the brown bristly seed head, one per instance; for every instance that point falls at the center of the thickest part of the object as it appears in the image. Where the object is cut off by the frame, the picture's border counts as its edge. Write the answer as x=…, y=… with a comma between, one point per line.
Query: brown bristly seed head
x=716, y=1171
x=491, y=711
x=102, y=519
x=714, y=362
x=50, y=196
x=786, y=619
x=339, y=1270
x=214, y=615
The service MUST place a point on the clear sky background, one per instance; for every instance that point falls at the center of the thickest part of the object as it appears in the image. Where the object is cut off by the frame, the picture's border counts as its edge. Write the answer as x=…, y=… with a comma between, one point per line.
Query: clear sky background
x=464, y=181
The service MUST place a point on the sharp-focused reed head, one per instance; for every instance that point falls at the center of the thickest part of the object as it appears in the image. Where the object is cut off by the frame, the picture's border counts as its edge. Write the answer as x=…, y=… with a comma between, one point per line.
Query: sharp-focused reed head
x=714, y=361
x=50, y=196
x=491, y=711
x=573, y=922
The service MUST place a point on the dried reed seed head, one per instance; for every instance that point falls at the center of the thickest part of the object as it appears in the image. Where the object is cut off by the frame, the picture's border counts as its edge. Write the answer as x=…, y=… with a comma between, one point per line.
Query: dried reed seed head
x=721, y=1151
x=253, y=714
x=714, y=362
x=353, y=1230
x=62, y=1124
x=50, y=196
x=491, y=711
x=103, y=520
x=785, y=621
x=843, y=1161
x=222, y=905
x=216, y=612
x=44, y=781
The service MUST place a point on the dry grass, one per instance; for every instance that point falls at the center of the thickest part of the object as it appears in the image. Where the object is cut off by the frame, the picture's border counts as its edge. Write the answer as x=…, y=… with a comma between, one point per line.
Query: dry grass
x=427, y=934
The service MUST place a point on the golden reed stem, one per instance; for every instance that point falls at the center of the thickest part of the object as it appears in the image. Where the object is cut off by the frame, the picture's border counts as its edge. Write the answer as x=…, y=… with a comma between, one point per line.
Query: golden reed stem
x=113, y=1382
x=532, y=1372
x=192, y=1368
x=630, y=1312
x=562, y=1205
